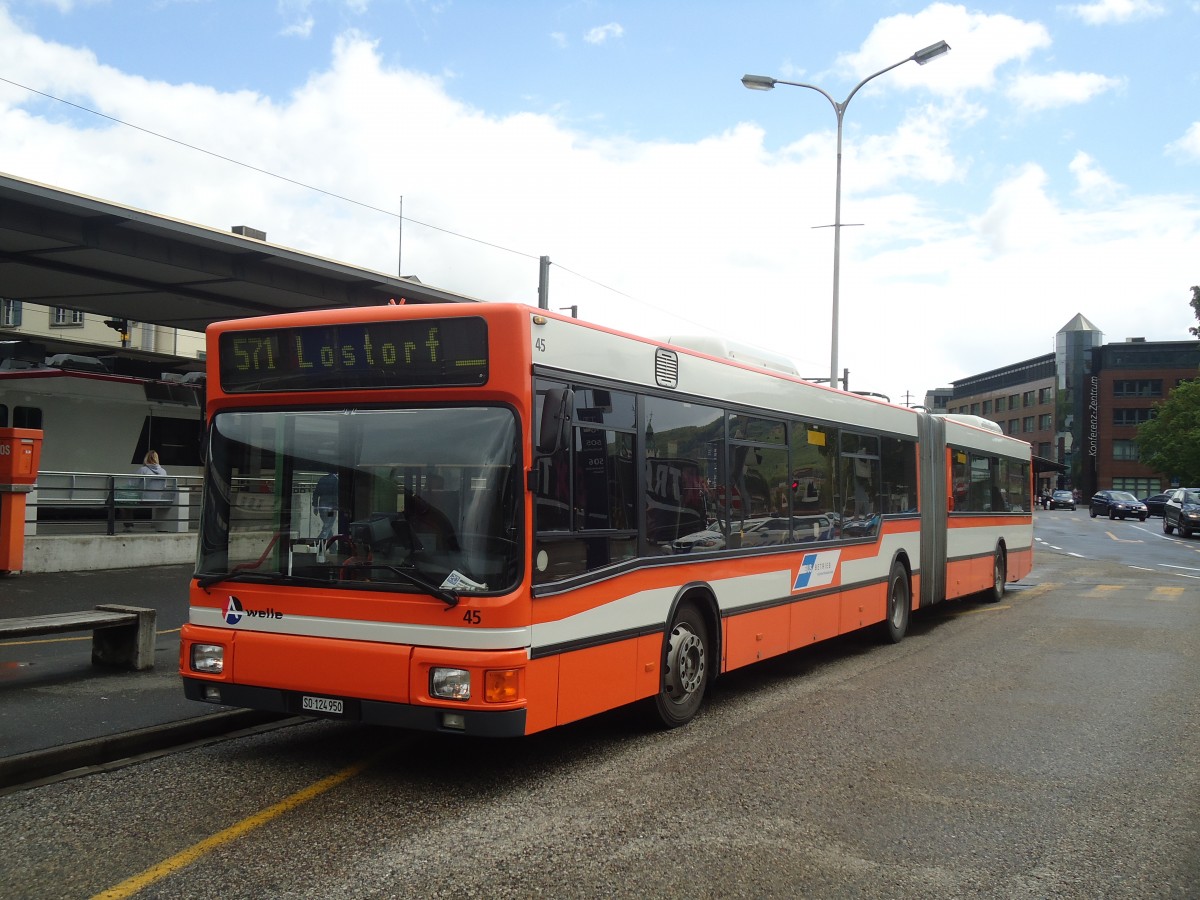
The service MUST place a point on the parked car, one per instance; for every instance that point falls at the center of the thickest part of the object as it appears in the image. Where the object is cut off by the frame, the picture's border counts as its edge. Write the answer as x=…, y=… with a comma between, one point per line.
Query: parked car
x=1154, y=504
x=1117, y=505
x=1182, y=511
x=1062, y=500
x=710, y=538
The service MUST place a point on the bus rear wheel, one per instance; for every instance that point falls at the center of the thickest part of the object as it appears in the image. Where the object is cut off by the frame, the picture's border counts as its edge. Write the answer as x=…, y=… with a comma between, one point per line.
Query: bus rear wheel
x=899, y=604
x=685, y=668
x=995, y=593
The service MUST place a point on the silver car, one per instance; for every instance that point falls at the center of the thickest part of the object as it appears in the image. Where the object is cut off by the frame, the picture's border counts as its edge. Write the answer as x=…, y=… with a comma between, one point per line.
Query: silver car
x=1182, y=511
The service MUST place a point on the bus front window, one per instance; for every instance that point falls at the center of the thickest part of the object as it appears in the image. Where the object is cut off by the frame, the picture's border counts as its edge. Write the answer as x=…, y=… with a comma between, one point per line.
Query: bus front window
x=364, y=498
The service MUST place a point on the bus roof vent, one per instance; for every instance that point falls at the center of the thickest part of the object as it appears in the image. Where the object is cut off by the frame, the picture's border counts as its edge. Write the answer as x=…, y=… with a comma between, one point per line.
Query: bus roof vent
x=76, y=362
x=666, y=367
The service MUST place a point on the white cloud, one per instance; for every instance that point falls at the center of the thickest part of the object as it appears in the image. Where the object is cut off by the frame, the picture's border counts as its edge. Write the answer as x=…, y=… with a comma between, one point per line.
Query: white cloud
x=1058, y=89
x=1093, y=184
x=718, y=235
x=300, y=28
x=1187, y=148
x=980, y=43
x=1104, y=12
x=602, y=33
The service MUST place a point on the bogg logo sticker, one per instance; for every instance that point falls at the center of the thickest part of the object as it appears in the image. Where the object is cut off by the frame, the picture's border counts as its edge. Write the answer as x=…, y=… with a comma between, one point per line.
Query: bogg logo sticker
x=817, y=569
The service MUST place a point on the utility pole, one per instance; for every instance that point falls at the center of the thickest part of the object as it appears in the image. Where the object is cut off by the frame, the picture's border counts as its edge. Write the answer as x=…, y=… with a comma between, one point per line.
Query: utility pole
x=544, y=283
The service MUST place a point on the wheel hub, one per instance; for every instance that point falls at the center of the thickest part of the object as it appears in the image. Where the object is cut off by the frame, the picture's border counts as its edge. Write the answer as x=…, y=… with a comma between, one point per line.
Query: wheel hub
x=685, y=663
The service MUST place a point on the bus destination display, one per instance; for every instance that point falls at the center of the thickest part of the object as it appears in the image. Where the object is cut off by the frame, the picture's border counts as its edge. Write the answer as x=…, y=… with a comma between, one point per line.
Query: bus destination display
x=395, y=354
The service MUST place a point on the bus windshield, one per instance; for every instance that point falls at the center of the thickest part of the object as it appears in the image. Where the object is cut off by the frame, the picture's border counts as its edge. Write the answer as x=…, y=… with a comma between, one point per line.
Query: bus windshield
x=403, y=499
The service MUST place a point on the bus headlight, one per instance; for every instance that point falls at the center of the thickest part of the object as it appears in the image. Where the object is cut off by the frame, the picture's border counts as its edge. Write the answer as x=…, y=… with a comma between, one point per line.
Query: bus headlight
x=208, y=658
x=450, y=684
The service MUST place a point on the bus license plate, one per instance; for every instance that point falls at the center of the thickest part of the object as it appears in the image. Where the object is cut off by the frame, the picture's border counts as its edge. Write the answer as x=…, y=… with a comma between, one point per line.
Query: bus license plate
x=321, y=705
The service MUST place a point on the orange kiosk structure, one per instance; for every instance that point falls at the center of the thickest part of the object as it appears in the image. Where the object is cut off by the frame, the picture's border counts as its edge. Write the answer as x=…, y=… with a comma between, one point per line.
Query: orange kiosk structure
x=20, y=455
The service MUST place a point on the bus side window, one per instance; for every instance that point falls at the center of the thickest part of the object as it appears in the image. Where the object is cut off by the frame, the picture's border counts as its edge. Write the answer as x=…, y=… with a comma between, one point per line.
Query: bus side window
x=811, y=484
x=860, y=484
x=552, y=471
x=27, y=417
x=898, y=460
x=586, y=514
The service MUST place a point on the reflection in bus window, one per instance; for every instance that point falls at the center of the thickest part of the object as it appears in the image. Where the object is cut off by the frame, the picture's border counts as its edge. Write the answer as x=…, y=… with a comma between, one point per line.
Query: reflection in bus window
x=812, y=480
x=682, y=475
x=585, y=507
x=758, y=477
x=898, y=464
x=859, y=485
x=988, y=484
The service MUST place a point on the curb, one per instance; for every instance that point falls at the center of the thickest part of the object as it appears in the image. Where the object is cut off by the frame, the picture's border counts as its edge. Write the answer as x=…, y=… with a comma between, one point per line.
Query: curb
x=39, y=765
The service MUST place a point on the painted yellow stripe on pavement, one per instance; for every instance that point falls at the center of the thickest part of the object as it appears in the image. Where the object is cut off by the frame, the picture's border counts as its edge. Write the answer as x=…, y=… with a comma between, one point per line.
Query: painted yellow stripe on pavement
x=1168, y=593
x=1037, y=590
x=131, y=886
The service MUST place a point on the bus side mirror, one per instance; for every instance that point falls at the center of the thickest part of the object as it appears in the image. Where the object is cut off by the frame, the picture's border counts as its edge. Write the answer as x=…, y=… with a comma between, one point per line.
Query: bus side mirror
x=554, y=429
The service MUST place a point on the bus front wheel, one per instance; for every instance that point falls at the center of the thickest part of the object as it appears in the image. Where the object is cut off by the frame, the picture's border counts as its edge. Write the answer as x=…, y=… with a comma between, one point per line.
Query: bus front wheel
x=685, y=668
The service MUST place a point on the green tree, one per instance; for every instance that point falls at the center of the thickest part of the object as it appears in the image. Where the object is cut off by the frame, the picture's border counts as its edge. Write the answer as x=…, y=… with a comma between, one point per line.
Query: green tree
x=1170, y=442
x=1195, y=308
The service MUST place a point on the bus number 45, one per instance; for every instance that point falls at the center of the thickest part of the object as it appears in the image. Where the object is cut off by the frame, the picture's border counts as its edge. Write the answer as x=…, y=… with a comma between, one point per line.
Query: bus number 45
x=472, y=617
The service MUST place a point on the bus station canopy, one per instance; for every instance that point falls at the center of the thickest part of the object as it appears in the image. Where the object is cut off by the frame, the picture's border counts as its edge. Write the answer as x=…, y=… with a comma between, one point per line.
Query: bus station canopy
x=61, y=249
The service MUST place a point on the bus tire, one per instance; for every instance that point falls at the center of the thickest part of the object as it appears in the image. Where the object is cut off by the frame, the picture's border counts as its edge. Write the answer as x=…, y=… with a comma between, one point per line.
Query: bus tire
x=686, y=658
x=899, y=604
x=995, y=593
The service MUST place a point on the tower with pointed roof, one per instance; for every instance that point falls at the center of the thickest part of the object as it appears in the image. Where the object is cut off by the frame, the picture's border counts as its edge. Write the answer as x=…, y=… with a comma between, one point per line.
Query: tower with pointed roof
x=1073, y=345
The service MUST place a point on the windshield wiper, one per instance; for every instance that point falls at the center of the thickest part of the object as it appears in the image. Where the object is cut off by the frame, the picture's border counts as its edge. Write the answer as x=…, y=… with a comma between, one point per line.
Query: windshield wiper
x=450, y=598
x=209, y=580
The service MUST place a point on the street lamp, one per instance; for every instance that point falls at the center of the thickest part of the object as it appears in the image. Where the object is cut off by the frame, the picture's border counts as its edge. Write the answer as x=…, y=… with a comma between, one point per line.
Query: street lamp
x=766, y=83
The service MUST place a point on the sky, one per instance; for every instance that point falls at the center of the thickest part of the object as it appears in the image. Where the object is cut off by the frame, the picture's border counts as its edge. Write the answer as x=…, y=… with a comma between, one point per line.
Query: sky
x=1048, y=165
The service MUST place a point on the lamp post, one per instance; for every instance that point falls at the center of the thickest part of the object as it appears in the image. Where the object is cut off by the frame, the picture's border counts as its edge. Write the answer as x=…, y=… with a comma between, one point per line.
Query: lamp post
x=766, y=83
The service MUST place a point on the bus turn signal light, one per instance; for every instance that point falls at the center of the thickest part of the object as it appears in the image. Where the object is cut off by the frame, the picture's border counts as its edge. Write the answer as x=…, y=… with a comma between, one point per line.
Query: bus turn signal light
x=500, y=685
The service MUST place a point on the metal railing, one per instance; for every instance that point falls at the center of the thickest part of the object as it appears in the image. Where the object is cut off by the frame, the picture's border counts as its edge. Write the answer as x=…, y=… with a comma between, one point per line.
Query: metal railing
x=112, y=503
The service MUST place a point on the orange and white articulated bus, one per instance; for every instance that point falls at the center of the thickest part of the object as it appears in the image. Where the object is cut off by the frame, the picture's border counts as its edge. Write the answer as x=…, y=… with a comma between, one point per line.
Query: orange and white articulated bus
x=491, y=519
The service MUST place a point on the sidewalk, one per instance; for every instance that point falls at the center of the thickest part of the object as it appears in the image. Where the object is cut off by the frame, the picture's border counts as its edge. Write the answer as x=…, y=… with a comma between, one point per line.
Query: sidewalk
x=51, y=696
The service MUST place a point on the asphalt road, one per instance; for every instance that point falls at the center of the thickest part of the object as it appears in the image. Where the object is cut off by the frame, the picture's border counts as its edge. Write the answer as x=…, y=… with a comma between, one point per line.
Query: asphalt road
x=1039, y=747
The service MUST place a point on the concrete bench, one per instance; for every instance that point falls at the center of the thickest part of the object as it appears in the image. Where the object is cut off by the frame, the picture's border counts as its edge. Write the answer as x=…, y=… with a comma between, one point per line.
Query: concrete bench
x=122, y=636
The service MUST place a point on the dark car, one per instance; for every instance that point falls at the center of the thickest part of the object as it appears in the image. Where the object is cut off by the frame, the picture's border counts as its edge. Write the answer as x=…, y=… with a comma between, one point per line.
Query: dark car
x=1062, y=500
x=1117, y=505
x=1154, y=504
x=1182, y=511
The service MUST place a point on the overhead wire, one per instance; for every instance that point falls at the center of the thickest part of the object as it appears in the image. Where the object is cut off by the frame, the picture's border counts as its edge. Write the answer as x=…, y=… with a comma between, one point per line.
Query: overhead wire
x=262, y=171
x=336, y=196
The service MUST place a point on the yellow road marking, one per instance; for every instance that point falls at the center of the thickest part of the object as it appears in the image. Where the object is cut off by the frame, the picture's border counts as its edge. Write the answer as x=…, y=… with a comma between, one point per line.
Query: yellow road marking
x=156, y=873
x=1123, y=540
x=1106, y=588
x=1037, y=589
x=1168, y=593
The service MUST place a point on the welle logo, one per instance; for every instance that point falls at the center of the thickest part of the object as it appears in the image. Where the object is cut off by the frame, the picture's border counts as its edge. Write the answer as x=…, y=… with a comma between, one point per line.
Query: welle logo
x=234, y=612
